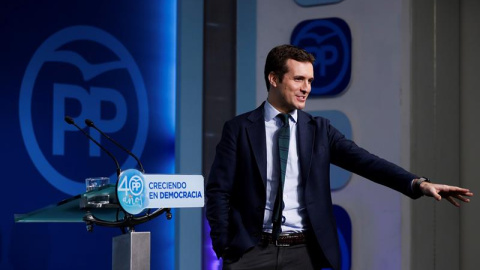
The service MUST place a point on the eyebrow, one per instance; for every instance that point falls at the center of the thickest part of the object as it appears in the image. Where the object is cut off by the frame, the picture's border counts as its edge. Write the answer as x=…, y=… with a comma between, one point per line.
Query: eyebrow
x=302, y=77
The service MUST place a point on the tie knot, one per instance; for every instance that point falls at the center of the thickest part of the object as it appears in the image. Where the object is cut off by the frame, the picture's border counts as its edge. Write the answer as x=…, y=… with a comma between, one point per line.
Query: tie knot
x=284, y=117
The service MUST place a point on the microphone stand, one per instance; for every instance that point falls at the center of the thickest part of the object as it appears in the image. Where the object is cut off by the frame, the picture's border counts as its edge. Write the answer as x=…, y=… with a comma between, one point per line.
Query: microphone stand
x=129, y=221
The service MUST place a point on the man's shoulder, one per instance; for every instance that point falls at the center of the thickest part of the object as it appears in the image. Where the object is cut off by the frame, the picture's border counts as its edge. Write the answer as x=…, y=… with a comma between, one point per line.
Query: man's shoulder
x=258, y=115
x=308, y=118
x=247, y=117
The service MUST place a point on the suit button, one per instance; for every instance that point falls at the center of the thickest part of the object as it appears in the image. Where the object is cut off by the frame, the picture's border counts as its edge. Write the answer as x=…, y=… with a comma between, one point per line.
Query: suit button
x=260, y=209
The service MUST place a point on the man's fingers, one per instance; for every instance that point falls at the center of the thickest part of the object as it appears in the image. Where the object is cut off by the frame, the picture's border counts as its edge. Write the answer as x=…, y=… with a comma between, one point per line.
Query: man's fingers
x=452, y=201
x=461, y=198
x=450, y=193
x=457, y=195
x=458, y=190
x=432, y=191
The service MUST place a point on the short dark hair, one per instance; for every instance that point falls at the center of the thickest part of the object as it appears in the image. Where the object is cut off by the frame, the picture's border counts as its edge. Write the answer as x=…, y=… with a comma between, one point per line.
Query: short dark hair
x=277, y=60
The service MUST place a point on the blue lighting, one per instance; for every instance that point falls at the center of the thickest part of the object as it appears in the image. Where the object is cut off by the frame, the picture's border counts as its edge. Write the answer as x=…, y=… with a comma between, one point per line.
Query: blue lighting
x=114, y=63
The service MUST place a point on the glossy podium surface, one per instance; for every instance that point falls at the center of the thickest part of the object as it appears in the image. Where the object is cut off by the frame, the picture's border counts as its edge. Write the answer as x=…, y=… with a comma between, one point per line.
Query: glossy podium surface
x=101, y=203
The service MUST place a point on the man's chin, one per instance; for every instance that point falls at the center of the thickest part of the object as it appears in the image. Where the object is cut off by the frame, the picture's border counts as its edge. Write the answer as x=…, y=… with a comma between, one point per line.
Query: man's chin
x=300, y=106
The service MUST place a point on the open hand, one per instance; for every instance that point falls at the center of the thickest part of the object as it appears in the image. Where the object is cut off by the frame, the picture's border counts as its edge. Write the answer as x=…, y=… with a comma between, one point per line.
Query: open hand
x=450, y=193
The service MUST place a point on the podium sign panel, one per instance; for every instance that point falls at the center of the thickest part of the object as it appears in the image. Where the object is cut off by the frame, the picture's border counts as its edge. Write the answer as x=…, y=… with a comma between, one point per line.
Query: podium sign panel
x=174, y=191
x=137, y=192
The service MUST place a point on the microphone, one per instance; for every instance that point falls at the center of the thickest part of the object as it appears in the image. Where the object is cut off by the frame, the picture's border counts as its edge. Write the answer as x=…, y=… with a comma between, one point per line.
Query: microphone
x=91, y=124
x=70, y=121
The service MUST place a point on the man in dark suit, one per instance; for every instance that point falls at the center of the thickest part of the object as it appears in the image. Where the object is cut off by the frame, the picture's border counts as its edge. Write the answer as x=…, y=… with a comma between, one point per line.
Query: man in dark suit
x=250, y=227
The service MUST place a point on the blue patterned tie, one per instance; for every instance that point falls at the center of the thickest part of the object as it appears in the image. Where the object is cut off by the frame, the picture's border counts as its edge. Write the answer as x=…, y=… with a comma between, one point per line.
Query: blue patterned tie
x=283, y=143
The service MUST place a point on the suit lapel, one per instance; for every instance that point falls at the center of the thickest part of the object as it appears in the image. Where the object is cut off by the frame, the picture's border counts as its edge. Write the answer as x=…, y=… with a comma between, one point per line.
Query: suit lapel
x=256, y=136
x=306, y=135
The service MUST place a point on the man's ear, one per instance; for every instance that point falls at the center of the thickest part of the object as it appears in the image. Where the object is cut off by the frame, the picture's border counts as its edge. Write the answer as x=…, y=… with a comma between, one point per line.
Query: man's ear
x=272, y=79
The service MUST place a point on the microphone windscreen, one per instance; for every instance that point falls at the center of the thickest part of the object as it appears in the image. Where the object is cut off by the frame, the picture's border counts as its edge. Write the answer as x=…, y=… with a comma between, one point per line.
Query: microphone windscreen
x=69, y=120
x=89, y=122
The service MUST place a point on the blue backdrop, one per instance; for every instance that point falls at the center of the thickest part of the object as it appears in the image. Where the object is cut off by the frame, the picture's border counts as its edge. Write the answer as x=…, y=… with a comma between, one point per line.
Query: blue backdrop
x=111, y=62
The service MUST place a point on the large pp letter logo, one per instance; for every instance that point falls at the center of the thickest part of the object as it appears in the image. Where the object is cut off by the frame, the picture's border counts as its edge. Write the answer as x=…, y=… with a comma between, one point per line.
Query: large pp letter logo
x=92, y=100
x=86, y=73
x=329, y=40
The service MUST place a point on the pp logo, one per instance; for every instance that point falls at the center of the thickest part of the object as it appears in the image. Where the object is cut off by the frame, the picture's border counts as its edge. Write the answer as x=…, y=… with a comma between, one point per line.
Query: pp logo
x=344, y=230
x=83, y=72
x=136, y=185
x=330, y=41
x=131, y=191
x=339, y=177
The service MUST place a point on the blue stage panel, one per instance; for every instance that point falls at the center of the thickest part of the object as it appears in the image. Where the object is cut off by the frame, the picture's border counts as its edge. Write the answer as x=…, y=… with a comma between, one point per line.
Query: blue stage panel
x=111, y=62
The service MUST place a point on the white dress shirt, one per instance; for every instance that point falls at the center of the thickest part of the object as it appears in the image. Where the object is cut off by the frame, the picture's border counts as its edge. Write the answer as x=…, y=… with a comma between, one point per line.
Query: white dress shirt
x=294, y=213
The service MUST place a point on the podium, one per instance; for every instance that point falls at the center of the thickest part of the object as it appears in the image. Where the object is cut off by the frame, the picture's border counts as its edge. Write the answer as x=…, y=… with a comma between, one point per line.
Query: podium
x=124, y=205
x=130, y=250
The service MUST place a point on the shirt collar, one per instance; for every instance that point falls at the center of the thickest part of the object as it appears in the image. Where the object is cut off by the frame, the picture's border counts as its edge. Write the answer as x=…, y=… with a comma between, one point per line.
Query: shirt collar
x=271, y=112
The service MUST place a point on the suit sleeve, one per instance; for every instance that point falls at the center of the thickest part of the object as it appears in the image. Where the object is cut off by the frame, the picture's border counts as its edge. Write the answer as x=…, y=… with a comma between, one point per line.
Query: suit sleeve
x=347, y=155
x=219, y=188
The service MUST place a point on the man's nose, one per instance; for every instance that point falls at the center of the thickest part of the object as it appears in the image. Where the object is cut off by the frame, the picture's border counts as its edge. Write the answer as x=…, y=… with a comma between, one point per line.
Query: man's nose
x=307, y=87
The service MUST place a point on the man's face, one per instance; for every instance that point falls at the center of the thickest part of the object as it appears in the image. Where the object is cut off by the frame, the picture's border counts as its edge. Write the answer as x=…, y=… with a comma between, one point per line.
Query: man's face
x=292, y=92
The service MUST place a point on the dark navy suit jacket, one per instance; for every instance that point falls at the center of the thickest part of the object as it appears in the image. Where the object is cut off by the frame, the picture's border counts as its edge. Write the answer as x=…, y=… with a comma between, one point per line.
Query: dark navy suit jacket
x=236, y=194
